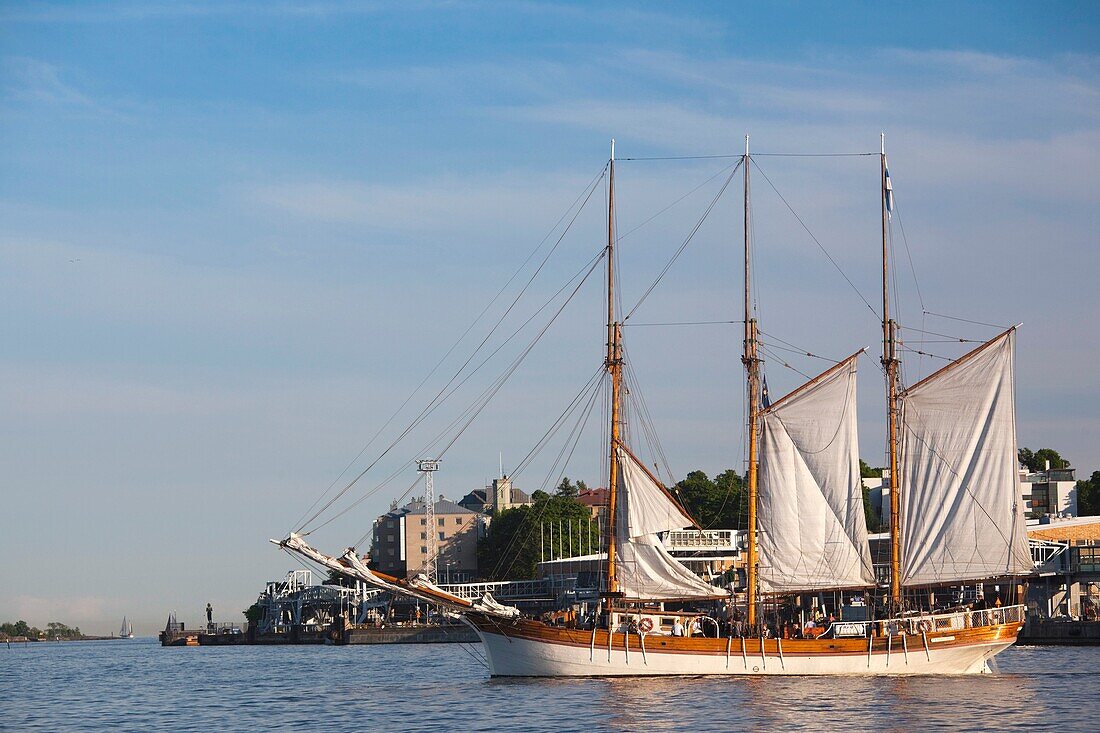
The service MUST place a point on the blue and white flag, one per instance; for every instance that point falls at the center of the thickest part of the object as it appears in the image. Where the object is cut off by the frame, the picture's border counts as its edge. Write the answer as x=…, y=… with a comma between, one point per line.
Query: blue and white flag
x=889, y=192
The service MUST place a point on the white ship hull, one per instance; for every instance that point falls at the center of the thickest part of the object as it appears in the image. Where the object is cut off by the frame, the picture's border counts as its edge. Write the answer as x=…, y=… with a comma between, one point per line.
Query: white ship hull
x=531, y=649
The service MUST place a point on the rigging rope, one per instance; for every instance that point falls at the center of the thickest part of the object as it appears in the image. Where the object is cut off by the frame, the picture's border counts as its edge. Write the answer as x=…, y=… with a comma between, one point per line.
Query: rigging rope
x=483, y=400
x=685, y=323
x=589, y=188
x=816, y=241
x=769, y=155
x=689, y=193
x=686, y=242
x=964, y=320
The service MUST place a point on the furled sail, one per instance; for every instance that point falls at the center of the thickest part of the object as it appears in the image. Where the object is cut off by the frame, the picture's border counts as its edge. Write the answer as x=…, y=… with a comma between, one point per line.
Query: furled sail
x=643, y=567
x=813, y=531
x=962, y=518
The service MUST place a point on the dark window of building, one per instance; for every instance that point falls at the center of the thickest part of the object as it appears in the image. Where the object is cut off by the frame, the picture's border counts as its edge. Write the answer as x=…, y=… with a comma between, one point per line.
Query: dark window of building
x=423, y=520
x=1040, y=499
x=423, y=535
x=442, y=520
x=390, y=551
x=424, y=550
x=389, y=538
x=442, y=535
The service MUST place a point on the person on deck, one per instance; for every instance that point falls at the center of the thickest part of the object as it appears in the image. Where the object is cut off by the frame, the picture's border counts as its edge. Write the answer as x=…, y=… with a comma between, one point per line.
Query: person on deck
x=677, y=627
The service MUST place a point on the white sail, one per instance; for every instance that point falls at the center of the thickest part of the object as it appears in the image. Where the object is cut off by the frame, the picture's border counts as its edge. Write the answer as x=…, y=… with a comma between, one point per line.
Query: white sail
x=962, y=518
x=813, y=531
x=643, y=567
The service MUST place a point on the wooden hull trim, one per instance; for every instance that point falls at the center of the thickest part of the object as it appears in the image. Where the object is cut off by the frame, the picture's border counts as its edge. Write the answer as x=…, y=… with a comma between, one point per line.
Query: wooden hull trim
x=525, y=648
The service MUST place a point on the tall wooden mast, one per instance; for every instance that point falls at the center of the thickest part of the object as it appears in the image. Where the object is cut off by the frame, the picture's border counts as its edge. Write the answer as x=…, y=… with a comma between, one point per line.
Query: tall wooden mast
x=752, y=370
x=890, y=365
x=614, y=364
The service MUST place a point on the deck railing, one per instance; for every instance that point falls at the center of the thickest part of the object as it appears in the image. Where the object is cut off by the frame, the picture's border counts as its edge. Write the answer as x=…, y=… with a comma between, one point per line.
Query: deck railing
x=927, y=623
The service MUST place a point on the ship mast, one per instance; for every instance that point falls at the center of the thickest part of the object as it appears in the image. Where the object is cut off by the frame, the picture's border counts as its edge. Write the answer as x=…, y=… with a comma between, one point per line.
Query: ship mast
x=614, y=364
x=890, y=364
x=752, y=370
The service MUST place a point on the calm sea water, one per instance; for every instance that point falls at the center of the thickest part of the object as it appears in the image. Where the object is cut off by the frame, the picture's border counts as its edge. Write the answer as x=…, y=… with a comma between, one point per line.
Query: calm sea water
x=136, y=685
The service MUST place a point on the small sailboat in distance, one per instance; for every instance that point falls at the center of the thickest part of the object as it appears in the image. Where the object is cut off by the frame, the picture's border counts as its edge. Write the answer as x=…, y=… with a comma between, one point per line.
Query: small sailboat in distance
x=127, y=630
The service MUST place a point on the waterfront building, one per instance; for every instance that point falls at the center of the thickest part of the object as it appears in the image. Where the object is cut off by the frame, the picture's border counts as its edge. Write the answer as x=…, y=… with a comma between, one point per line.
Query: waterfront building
x=1050, y=491
x=1047, y=492
x=596, y=501
x=400, y=545
x=496, y=497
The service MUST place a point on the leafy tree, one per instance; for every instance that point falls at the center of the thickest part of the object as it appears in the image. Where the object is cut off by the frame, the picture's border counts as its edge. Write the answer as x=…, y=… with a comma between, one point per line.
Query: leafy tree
x=517, y=536
x=20, y=628
x=566, y=488
x=866, y=471
x=719, y=504
x=1036, y=461
x=254, y=613
x=870, y=516
x=1088, y=496
x=58, y=629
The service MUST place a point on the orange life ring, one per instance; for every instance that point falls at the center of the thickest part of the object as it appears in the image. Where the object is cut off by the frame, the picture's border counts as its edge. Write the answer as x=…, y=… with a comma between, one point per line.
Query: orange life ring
x=645, y=625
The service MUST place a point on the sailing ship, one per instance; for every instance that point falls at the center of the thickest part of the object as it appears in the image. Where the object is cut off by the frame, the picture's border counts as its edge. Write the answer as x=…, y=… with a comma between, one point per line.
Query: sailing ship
x=955, y=510
x=127, y=630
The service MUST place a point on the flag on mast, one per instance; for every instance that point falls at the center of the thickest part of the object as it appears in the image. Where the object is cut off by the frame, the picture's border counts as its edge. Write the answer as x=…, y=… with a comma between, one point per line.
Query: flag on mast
x=889, y=190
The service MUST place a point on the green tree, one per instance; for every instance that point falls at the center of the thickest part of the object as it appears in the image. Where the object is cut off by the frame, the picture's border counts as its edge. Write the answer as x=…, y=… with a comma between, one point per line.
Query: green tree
x=719, y=504
x=865, y=471
x=518, y=536
x=1036, y=461
x=1088, y=496
x=58, y=629
x=254, y=613
x=870, y=516
x=567, y=488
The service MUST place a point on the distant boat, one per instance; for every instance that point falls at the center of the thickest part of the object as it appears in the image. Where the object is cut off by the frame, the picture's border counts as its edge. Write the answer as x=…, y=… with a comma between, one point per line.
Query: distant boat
x=127, y=630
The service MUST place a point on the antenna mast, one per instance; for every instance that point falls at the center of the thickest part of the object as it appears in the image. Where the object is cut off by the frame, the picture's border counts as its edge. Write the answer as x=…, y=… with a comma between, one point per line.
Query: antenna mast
x=890, y=365
x=429, y=466
x=614, y=364
x=752, y=370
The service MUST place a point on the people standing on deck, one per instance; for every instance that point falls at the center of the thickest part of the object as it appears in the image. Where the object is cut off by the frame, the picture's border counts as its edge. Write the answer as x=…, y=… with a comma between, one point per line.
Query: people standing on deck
x=677, y=627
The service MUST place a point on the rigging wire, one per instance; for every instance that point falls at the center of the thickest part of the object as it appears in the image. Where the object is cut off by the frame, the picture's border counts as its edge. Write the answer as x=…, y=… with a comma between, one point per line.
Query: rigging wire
x=684, y=244
x=558, y=422
x=439, y=398
x=950, y=336
x=770, y=155
x=523, y=530
x=685, y=323
x=964, y=320
x=589, y=188
x=925, y=353
x=487, y=395
x=689, y=193
x=779, y=358
x=816, y=241
x=796, y=349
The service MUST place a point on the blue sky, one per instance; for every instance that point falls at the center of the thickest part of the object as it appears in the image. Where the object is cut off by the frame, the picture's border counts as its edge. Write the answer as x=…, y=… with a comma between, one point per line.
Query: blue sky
x=236, y=235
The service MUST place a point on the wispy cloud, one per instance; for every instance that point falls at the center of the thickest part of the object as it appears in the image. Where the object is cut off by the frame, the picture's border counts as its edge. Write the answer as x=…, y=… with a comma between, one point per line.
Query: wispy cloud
x=31, y=81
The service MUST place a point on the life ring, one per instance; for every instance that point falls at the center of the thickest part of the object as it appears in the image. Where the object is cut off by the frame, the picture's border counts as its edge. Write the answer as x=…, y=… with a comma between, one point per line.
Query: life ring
x=645, y=625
